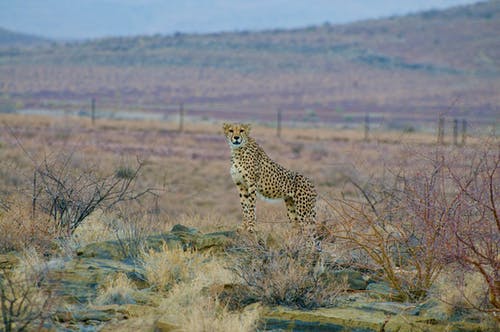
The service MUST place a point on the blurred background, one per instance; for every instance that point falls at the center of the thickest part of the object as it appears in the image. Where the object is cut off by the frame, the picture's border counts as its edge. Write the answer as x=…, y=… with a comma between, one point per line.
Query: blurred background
x=399, y=65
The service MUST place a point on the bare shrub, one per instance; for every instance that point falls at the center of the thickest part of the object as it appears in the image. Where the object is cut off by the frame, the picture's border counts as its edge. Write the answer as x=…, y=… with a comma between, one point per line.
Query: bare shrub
x=474, y=241
x=400, y=227
x=442, y=209
x=69, y=195
x=24, y=303
x=284, y=271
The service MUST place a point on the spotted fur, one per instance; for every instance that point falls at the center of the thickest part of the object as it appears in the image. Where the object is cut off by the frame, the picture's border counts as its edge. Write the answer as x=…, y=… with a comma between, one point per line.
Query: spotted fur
x=255, y=174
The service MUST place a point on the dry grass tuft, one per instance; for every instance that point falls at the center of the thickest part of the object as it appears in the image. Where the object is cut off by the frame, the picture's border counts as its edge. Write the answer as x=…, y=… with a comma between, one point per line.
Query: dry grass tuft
x=97, y=229
x=168, y=267
x=117, y=289
x=186, y=278
x=188, y=309
x=191, y=308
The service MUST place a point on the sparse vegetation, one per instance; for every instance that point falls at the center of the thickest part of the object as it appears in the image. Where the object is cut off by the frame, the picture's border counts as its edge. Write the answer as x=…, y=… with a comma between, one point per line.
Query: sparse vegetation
x=401, y=227
x=420, y=223
x=381, y=226
x=286, y=270
x=184, y=277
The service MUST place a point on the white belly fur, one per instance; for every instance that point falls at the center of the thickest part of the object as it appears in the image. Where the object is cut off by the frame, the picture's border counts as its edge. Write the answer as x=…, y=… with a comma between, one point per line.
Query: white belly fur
x=270, y=200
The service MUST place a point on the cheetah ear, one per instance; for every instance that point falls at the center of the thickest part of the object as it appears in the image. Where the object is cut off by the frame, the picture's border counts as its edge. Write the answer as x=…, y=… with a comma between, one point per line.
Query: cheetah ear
x=247, y=127
x=225, y=126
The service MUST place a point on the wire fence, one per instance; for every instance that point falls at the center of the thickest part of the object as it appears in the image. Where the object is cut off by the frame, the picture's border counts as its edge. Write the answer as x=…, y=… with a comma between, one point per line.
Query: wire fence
x=447, y=129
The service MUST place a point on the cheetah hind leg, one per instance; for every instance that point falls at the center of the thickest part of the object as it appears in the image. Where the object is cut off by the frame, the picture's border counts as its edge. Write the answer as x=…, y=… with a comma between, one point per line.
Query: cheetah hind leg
x=303, y=226
x=308, y=227
x=291, y=211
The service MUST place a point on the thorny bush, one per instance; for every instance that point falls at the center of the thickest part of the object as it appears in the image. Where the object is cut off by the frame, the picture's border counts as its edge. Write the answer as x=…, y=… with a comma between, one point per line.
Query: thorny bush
x=437, y=210
x=69, y=195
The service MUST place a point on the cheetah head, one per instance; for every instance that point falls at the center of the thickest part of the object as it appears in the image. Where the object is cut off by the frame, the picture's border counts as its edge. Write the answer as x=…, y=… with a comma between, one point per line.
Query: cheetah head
x=236, y=134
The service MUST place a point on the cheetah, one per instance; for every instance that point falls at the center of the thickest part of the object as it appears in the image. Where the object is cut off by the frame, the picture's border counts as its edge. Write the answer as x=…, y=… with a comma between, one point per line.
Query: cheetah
x=255, y=174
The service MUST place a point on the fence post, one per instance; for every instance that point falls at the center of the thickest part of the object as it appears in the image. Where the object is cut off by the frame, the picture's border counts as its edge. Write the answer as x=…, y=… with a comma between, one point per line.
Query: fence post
x=464, y=131
x=455, y=131
x=92, y=112
x=278, y=124
x=181, y=118
x=440, y=134
x=33, y=198
x=367, y=126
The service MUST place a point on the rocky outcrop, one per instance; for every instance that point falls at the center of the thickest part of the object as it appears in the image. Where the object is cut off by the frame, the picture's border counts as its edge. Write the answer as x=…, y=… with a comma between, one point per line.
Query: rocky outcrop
x=77, y=280
x=179, y=237
x=367, y=306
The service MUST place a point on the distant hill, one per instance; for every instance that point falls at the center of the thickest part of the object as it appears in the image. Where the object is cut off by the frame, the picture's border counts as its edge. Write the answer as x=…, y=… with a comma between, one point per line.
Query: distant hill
x=10, y=38
x=417, y=65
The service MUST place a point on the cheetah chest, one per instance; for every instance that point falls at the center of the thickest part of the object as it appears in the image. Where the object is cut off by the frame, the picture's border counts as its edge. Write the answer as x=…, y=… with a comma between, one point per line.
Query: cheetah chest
x=239, y=178
x=236, y=175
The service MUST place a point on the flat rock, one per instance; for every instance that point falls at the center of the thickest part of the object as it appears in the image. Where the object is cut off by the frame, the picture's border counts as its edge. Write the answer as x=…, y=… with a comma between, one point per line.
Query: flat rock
x=357, y=319
x=78, y=280
x=179, y=237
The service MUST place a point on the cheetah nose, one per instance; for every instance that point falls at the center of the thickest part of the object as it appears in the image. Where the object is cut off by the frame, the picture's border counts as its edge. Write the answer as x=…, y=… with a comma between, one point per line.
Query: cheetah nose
x=236, y=140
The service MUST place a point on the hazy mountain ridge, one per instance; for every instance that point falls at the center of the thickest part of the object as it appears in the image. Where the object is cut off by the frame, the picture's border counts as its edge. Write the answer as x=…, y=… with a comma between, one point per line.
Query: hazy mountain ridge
x=429, y=41
x=10, y=38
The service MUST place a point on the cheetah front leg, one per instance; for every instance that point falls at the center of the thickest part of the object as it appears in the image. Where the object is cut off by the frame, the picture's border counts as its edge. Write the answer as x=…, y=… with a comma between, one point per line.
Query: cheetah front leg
x=247, y=201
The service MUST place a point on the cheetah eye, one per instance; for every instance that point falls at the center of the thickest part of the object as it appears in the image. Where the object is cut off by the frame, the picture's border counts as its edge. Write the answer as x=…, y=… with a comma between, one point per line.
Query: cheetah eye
x=230, y=130
x=241, y=131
